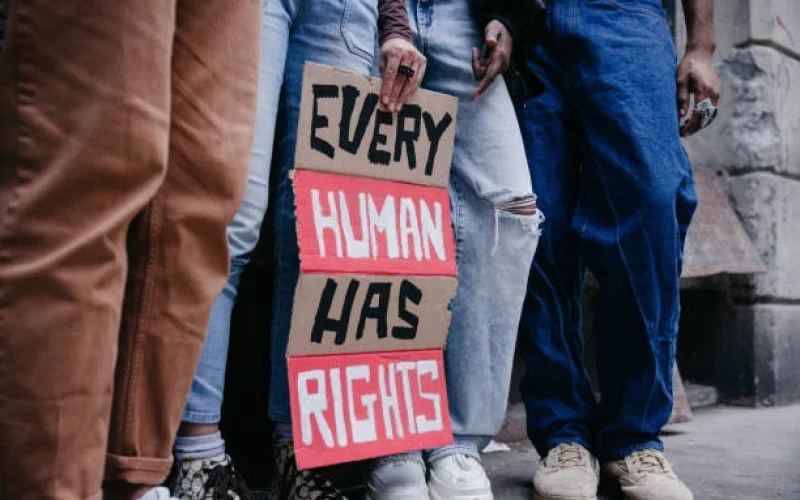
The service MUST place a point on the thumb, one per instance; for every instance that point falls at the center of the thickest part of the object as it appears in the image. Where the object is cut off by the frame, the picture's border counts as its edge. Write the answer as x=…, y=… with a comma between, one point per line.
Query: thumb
x=683, y=95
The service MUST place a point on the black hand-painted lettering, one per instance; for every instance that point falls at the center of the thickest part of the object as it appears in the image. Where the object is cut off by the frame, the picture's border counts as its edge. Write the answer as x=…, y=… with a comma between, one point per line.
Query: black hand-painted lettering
x=408, y=291
x=378, y=312
x=375, y=155
x=349, y=96
x=407, y=137
x=319, y=121
x=435, y=133
x=323, y=322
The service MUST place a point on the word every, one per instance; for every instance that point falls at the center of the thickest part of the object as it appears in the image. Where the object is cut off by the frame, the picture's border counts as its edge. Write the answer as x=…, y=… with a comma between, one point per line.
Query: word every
x=409, y=125
x=363, y=403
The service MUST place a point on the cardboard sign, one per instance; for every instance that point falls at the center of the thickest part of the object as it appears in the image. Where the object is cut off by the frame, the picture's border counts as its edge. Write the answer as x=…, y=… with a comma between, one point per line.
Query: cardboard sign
x=377, y=271
x=354, y=313
x=358, y=406
x=358, y=225
x=344, y=128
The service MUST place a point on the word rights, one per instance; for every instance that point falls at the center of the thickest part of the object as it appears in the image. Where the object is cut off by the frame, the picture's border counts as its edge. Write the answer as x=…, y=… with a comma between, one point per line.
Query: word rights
x=377, y=271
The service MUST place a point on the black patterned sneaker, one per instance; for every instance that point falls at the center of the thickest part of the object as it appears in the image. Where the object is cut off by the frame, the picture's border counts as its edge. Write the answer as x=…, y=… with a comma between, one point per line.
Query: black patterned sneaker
x=210, y=479
x=289, y=483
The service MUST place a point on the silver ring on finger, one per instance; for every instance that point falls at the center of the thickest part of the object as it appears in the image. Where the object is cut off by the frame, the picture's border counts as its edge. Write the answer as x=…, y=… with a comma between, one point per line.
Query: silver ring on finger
x=708, y=112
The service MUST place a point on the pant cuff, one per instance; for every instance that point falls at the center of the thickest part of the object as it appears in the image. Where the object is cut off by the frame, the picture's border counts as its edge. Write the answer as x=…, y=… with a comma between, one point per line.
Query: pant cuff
x=621, y=453
x=453, y=449
x=137, y=470
x=201, y=418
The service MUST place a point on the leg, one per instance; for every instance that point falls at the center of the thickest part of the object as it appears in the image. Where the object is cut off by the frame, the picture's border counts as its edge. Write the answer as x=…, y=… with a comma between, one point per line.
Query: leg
x=495, y=220
x=556, y=388
x=317, y=36
x=179, y=257
x=83, y=147
x=636, y=202
x=205, y=399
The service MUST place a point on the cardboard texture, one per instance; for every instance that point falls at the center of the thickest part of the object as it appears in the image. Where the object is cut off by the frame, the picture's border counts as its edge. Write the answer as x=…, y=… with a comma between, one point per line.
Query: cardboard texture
x=337, y=314
x=359, y=406
x=337, y=131
x=377, y=271
x=352, y=224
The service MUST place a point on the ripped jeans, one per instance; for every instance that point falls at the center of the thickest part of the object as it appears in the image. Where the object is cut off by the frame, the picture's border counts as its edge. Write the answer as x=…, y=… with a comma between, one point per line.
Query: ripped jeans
x=495, y=220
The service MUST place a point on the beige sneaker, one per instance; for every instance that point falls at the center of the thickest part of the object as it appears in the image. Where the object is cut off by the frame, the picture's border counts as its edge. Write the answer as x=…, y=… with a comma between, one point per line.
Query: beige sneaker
x=647, y=475
x=568, y=472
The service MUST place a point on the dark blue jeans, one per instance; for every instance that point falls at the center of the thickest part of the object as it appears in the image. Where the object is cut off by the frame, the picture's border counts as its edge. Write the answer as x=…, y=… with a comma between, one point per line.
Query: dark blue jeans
x=616, y=189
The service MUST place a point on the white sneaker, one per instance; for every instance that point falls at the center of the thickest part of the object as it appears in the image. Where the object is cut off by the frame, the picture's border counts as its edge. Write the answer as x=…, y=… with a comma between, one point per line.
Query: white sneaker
x=568, y=472
x=459, y=477
x=158, y=494
x=648, y=475
x=400, y=479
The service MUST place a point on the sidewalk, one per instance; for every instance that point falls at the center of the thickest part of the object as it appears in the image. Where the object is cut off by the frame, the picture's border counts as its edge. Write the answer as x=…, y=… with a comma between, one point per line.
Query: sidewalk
x=724, y=454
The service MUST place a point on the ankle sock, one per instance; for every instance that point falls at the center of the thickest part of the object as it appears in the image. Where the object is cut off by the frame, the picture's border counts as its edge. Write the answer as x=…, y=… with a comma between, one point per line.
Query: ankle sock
x=199, y=447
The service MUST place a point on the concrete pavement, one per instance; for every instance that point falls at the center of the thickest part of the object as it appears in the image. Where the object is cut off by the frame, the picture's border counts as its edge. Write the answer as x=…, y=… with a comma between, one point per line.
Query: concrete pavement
x=724, y=454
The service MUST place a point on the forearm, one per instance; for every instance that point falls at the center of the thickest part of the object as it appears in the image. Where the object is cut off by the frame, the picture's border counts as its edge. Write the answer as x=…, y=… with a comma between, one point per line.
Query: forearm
x=699, y=15
x=393, y=20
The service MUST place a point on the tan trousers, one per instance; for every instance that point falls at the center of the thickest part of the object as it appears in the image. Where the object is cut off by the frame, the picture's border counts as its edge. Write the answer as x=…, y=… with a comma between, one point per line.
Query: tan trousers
x=125, y=130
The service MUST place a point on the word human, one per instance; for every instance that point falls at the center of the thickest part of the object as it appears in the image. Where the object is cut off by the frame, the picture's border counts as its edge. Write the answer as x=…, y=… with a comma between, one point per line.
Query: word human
x=407, y=129
x=400, y=227
x=360, y=402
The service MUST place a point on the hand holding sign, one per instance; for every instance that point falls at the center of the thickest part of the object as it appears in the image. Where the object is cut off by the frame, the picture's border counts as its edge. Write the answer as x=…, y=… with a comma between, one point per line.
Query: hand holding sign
x=399, y=85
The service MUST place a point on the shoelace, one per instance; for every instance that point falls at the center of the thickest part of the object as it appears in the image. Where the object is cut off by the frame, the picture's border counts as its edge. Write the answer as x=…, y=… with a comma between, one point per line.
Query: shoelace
x=568, y=455
x=224, y=482
x=323, y=486
x=651, y=461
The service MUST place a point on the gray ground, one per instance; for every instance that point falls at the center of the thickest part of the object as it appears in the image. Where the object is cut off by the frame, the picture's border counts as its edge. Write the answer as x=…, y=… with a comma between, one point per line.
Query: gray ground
x=724, y=454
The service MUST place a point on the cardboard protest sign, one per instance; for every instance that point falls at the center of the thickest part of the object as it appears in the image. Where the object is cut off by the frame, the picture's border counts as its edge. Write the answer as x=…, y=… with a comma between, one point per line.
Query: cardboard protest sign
x=357, y=406
x=354, y=313
x=358, y=225
x=343, y=128
x=377, y=271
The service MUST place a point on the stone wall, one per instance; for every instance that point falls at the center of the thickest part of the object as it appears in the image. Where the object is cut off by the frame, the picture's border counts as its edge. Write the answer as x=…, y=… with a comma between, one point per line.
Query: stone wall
x=755, y=144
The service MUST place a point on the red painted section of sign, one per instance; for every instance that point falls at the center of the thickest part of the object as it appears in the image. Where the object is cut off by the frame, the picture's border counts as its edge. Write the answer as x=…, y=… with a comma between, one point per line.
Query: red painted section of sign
x=357, y=225
x=358, y=406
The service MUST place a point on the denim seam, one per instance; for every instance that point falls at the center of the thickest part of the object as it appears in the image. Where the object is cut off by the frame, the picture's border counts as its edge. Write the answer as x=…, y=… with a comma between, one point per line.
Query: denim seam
x=349, y=39
x=636, y=10
x=624, y=452
x=201, y=418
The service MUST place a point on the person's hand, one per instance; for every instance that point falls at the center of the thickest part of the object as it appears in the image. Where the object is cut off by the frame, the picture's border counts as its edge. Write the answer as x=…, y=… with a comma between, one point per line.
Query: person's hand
x=495, y=57
x=398, y=87
x=696, y=75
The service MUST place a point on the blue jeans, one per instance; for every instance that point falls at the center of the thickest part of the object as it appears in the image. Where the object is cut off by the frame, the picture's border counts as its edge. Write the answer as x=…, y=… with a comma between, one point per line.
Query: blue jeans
x=616, y=185
x=339, y=33
x=494, y=245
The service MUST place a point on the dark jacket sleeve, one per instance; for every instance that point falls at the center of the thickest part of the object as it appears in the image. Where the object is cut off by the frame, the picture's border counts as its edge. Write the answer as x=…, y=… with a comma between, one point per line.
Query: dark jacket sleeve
x=393, y=20
x=508, y=12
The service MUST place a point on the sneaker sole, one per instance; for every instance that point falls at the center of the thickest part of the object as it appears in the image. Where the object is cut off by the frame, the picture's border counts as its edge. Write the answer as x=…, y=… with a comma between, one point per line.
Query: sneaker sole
x=418, y=495
x=435, y=495
x=537, y=496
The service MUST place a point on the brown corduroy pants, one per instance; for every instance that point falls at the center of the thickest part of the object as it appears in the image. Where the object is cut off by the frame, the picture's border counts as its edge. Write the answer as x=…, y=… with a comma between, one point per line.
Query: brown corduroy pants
x=125, y=132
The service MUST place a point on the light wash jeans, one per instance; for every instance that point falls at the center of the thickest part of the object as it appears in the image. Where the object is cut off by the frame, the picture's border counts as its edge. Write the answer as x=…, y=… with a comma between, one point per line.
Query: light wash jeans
x=338, y=33
x=494, y=245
